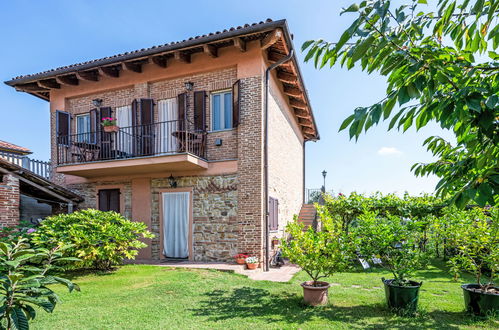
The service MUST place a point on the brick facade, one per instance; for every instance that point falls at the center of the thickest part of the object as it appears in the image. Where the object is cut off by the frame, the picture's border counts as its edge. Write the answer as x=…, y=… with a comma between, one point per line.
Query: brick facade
x=9, y=200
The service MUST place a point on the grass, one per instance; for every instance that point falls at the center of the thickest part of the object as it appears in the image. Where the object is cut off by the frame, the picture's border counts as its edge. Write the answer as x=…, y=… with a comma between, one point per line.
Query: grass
x=152, y=297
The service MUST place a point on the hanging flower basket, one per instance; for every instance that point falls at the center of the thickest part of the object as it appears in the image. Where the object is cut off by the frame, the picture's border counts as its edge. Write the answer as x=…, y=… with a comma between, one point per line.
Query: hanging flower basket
x=111, y=129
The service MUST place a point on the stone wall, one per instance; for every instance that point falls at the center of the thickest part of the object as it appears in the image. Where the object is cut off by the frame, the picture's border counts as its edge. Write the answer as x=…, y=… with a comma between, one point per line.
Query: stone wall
x=9, y=200
x=215, y=225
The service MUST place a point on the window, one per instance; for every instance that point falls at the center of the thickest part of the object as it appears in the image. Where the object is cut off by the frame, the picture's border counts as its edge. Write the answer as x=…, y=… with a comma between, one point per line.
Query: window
x=221, y=110
x=83, y=128
x=109, y=200
x=273, y=213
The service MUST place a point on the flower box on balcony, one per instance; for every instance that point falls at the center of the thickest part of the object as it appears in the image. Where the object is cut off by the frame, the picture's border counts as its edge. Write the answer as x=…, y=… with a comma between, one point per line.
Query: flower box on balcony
x=111, y=129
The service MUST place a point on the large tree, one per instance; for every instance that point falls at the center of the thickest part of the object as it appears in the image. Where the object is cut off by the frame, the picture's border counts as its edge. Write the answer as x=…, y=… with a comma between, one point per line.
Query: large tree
x=441, y=66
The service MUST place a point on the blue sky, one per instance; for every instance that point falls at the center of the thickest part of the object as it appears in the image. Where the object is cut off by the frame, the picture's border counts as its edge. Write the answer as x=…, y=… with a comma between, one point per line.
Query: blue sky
x=40, y=35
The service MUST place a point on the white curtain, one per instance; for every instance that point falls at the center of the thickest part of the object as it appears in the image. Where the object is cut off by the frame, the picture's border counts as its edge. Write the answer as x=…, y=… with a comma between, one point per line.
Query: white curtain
x=176, y=224
x=124, y=122
x=168, y=115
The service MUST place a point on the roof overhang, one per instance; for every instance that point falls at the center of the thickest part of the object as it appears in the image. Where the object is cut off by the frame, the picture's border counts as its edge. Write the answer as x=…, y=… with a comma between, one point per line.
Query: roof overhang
x=274, y=37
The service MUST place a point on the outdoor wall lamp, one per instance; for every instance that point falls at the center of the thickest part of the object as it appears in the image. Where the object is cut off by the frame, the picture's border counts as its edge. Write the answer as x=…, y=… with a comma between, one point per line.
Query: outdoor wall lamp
x=189, y=85
x=324, y=173
x=172, y=181
x=97, y=102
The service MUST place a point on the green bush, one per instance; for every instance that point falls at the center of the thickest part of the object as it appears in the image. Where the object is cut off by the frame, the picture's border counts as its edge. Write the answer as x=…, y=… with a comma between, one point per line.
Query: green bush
x=25, y=276
x=100, y=239
x=318, y=253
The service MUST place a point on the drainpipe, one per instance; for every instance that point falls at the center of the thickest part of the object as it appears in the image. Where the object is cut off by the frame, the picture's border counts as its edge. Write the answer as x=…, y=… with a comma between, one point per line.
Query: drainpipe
x=266, y=153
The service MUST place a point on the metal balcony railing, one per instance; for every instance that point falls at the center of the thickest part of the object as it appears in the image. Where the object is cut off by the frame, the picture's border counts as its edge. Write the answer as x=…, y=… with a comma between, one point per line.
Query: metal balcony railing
x=163, y=138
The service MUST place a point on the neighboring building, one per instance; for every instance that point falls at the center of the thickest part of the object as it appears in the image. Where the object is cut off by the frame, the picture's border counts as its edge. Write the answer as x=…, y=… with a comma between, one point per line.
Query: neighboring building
x=188, y=158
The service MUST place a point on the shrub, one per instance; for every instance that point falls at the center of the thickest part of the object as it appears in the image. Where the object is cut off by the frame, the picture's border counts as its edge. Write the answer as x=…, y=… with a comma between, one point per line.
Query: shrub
x=24, y=282
x=12, y=233
x=473, y=237
x=318, y=253
x=100, y=239
x=393, y=240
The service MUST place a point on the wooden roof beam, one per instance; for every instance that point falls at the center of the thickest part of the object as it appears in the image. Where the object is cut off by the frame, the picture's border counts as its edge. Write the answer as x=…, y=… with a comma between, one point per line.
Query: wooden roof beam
x=49, y=83
x=109, y=71
x=31, y=87
x=88, y=75
x=160, y=61
x=239, y=44
x=271, y=38
x=293, y=91
x=308, y=130
x=182, y=57
x=301, y=113
x=298, y=104
x=132, y=66
x=210, y=50
x=305, y=122
x=69, y=80
x=287, y=77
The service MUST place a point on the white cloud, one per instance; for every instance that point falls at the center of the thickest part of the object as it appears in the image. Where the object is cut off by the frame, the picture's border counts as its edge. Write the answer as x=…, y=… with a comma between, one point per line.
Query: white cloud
x=389, y=151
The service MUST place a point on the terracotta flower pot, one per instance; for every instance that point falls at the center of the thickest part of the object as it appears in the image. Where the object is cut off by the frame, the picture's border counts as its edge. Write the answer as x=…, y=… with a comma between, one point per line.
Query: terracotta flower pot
x=251, y=266
x=240, y=261
x=315, y=295
x=110, y=129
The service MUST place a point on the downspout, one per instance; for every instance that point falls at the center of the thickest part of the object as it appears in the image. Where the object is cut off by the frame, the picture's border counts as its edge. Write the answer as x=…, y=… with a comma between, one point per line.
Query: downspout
x=266, y=153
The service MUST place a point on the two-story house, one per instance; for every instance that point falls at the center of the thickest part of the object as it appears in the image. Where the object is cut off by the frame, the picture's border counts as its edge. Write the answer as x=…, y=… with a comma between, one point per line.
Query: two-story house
x=188, y=154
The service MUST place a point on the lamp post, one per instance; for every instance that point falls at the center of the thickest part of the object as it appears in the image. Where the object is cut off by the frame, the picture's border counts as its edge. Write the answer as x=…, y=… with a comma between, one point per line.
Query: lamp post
x=324, y=173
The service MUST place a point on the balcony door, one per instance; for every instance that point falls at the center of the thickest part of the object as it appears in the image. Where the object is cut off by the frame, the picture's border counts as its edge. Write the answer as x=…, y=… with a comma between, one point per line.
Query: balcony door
x=168, y=118
x=176, y=216
x=124, y=139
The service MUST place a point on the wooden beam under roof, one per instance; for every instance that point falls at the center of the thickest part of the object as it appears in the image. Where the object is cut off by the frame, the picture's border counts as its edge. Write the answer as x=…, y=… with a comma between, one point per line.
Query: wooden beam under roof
x=301, y=113
x=305, y=122
x=31, y=87
x=49, y=83
x=293, y=91
x=271, y=38
x=109, y=71
x=287, y=77
x=132, y=66
x=182, y=57
x=239, y=44
x=210, y=50
x=92, y=75
x=160, y=61
x=308, y=130
x=69, y=80
x=298, y=104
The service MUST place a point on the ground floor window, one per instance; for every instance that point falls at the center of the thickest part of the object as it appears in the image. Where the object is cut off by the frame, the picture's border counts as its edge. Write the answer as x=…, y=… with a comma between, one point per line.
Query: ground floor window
x=109, y=200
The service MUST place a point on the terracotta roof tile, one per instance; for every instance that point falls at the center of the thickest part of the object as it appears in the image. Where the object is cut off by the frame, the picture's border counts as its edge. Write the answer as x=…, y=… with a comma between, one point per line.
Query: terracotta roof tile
x=12, y=147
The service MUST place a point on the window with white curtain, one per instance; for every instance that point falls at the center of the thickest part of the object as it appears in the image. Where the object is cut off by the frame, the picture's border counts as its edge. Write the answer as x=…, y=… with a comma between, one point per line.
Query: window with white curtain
x=168, y=124
x=221, y=110
x=124, y=138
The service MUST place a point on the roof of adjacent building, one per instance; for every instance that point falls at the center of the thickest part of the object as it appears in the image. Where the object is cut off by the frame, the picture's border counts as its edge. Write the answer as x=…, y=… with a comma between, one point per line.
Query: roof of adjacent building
x=11, y=147
x=275, y=40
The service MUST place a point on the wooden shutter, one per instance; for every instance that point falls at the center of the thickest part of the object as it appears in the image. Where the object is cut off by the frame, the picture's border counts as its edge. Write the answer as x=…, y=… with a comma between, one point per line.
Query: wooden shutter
x=147, y=131
x=94, y=125
x=106, y=147
x=273, y=213
x=63, y=127
x=109, y=200
x=182, y=109
x=200, y=110
x=236, y=95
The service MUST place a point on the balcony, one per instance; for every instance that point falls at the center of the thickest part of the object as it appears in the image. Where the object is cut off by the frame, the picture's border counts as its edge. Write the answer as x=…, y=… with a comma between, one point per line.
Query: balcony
x=164, y=146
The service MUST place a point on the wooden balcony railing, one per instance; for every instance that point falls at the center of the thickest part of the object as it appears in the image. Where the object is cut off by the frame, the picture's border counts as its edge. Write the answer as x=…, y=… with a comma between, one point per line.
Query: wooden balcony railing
x=164, y=138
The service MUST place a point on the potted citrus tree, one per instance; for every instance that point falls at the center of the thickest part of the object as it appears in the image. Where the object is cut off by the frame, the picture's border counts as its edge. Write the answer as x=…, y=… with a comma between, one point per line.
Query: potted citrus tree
x=109, y=124
x=394, y=241
x=473, y=236
x=319, y=253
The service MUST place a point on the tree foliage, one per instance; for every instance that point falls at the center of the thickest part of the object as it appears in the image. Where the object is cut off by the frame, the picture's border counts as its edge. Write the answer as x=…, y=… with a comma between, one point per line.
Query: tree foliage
x=441, y=66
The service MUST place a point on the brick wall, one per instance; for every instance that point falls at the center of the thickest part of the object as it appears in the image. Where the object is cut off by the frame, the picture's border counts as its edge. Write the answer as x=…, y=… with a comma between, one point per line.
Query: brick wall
x=9, y=200
x=285, y=168
x=250, y=188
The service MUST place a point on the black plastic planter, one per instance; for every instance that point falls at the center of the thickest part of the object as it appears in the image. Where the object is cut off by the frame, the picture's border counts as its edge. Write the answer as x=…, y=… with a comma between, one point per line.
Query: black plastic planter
x=403, y=299
x=479, y=303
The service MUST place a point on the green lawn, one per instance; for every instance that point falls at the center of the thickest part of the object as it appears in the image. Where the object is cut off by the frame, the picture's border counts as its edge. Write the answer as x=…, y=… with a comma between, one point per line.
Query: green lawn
x=152, y=297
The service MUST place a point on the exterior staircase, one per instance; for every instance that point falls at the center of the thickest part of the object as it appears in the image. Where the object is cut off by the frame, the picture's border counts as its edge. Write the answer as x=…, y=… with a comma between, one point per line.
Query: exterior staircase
x=308, y=215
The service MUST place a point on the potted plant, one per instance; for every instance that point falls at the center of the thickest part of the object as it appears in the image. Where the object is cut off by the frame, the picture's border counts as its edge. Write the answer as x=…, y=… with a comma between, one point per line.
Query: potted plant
x=395, y=242
x=109, y=124
x=240, y=258
x=252, y=262
x=275, y=241
x=473, y=236
x=318, y=253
